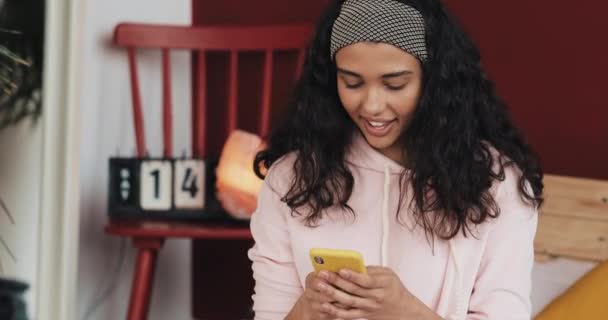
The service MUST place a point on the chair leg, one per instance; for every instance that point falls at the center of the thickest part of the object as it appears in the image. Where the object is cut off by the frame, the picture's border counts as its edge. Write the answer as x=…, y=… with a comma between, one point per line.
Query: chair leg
x=143, y=276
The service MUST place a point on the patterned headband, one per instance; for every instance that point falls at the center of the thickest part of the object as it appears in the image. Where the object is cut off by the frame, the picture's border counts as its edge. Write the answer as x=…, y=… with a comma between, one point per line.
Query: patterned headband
x=386, y=21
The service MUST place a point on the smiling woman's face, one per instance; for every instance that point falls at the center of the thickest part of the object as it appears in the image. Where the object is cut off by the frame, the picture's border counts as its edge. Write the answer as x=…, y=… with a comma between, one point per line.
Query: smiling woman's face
x=379, y=86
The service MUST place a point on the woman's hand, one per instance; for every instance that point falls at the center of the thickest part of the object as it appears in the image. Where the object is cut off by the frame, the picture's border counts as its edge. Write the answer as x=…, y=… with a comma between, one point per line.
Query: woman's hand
x=310, y=304
x=377, y=295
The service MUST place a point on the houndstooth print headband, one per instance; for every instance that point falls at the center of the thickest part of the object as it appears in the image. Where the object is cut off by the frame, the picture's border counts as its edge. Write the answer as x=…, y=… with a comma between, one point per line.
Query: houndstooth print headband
x=386, y=21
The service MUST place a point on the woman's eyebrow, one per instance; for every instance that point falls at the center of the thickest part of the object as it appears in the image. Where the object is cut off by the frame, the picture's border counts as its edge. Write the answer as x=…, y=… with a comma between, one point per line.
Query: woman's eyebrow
x=397, y=74
x=348, y=72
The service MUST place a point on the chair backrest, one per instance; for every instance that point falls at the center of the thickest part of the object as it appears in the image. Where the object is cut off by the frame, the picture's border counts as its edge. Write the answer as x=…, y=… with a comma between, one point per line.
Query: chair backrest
x=201, y=40
x=574, y=219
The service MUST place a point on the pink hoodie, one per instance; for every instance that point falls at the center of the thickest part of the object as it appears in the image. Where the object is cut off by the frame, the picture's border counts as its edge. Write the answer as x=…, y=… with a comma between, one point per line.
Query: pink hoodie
x=483, y=277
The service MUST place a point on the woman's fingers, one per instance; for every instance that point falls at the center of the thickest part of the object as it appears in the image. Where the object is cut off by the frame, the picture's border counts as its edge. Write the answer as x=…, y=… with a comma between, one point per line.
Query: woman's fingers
x=315, y=298
x=344, y=284
x=339, y=313
x=315, y=289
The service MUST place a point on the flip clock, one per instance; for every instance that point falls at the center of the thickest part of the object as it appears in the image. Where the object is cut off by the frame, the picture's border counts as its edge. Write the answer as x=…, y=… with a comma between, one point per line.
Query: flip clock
x=180, y=189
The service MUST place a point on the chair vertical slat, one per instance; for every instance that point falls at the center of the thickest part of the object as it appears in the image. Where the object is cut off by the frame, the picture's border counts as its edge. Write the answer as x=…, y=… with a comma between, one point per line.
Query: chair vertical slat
x=232, y=92
x=266, y=94
x=167, y=114
x=138, y=119
x=300, y=63
x=199, y=110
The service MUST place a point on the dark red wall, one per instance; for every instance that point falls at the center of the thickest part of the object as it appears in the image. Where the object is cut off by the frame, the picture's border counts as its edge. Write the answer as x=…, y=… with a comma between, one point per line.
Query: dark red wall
x=548, y=60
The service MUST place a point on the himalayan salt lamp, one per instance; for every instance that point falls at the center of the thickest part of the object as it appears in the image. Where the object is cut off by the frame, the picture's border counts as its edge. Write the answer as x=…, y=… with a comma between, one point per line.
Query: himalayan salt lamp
x=237, y=186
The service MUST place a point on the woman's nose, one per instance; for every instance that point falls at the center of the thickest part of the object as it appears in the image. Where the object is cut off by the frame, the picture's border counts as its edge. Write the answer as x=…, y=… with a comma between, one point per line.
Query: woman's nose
x=373, y=102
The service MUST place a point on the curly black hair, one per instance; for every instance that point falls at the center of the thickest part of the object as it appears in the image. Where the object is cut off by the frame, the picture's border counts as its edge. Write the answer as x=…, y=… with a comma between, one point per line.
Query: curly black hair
x=457, y=130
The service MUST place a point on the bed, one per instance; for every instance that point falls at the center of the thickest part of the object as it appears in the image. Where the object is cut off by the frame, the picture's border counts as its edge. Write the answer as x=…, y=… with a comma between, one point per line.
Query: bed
x=572, y=235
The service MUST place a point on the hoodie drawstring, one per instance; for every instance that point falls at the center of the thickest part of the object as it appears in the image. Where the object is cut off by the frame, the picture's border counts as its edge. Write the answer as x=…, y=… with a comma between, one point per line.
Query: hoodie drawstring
x=455, y=312
x=385, y=217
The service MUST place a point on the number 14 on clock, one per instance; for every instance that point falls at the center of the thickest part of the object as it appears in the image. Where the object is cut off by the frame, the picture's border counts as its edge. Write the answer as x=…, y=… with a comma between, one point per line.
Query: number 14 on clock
x=165, y=184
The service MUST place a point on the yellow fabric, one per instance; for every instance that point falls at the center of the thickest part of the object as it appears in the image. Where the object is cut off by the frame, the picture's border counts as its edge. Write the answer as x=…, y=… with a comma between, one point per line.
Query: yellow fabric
x=587, y=299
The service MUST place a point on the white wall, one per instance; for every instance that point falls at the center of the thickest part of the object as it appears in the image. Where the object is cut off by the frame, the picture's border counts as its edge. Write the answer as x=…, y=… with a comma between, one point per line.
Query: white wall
x=107, y=131
x=20, y=181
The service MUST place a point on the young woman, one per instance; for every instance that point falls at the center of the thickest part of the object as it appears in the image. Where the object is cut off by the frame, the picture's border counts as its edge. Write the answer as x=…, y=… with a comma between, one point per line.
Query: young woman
x=396, y=145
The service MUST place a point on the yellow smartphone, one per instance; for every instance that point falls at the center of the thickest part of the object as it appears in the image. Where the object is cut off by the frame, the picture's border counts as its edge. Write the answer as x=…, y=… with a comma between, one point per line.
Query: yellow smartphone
x=334, y=260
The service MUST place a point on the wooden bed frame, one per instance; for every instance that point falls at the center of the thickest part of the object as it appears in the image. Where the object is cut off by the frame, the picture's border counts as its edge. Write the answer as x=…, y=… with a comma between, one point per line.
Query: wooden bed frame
x=574, y=220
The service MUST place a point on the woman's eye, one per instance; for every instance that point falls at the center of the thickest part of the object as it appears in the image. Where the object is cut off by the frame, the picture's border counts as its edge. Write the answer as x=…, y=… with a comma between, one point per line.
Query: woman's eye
x=395, y=88
x=354, y=85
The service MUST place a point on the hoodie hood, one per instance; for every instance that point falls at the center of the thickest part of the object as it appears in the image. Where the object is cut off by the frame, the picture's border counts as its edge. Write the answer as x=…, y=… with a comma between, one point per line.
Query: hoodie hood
x=362, y=155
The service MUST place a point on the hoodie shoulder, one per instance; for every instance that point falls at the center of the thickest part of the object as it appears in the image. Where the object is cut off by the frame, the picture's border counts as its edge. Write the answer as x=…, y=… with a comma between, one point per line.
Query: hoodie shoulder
x=281, y=174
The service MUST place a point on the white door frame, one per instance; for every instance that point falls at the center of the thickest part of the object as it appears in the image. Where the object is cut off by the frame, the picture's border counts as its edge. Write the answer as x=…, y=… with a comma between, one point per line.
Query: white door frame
x=59, y=214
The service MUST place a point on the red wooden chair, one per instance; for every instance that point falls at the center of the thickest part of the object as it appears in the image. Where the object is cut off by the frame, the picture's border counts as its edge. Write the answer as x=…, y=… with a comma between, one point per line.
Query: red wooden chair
x=147, y=236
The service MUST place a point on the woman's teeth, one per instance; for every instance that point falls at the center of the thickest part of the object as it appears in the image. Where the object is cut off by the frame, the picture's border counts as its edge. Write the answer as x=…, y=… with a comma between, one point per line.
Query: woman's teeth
x=378, y=124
